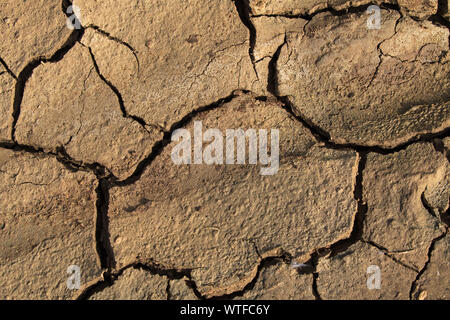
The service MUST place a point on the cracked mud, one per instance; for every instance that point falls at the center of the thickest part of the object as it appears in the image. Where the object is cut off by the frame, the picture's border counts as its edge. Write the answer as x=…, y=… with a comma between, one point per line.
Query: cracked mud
x=88, y=179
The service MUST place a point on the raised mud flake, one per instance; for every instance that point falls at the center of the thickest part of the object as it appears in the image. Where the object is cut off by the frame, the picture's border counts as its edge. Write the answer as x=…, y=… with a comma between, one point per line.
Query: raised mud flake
x=135, y=284
x=212, y=218
x=7, y=83
x=417, y=41
x=345, y=276
x=279, y=281
x=48, y=221
x=398, y=218
x=436, y=196
x=434, y=284
x=421, y=9
x=302, y=8
x=270, y=35
x=271, y=32
x=77, y=110
x=366, y=96
x=30, y=29
x=180, y=68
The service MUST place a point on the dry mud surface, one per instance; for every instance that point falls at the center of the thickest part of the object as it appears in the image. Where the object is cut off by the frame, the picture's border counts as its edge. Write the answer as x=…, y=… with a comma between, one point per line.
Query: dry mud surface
x=87, y=177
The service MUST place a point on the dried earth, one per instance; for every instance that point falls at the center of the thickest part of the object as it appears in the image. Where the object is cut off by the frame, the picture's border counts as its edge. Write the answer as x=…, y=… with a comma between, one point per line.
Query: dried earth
x=86, y=150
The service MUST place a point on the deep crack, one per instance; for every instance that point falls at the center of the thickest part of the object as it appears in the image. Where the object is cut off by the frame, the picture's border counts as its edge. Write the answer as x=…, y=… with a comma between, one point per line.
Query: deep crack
x=119, y=41
x=109, y=277
x=358, y=220
x=102, y=236
x=264, y=263
x=118, y=94
x=161, y=144
x=314, y=288
x=244, y=11
x=420, y=273
x=62, y=157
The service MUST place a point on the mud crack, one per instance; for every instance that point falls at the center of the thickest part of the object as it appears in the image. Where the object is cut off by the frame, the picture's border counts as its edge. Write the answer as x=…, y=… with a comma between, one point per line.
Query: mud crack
x=420, y=273
x=244, y=10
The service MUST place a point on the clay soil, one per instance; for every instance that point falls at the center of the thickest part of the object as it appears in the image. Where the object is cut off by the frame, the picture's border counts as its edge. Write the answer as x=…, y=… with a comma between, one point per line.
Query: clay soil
x=91, y=93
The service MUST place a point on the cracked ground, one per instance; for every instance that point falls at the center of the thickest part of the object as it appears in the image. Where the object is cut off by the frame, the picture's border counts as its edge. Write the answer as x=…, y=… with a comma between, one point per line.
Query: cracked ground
x=87, y=179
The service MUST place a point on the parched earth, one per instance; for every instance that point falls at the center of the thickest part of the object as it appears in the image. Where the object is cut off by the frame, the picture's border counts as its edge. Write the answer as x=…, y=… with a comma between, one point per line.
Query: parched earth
x=88, y=179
